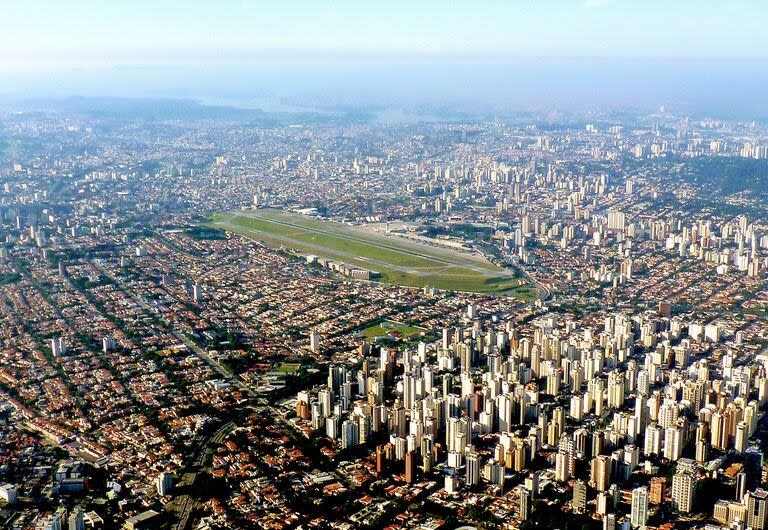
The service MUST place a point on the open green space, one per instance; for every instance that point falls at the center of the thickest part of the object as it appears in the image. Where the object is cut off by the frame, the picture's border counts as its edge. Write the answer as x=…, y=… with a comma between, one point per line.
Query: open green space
x=385, y=328
x=287, y=368
x=399, y=261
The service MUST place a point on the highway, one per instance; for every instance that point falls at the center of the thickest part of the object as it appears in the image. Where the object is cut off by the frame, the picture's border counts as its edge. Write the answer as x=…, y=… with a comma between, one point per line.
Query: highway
x=545, y=292
x=187, y=502
x=202, y=354
x=213, y=363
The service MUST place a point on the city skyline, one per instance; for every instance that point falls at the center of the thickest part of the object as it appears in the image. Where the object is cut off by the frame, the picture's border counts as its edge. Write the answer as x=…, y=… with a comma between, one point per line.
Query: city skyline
x=336, y=265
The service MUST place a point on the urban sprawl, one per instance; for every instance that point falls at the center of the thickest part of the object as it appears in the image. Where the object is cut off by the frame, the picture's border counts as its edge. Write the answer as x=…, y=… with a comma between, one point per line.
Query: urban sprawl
x=546, y=322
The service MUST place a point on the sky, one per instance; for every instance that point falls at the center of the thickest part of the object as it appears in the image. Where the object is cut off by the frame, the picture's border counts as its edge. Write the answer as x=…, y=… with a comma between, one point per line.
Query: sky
x=350, y=50
x=56, y=34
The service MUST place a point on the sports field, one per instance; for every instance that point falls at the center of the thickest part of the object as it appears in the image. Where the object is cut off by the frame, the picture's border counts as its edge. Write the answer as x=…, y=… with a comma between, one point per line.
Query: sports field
x=385, y=328
x=399, y=261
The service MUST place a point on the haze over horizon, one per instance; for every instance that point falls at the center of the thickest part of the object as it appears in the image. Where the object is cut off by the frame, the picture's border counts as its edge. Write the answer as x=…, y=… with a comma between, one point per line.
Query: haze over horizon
x=569, y=54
